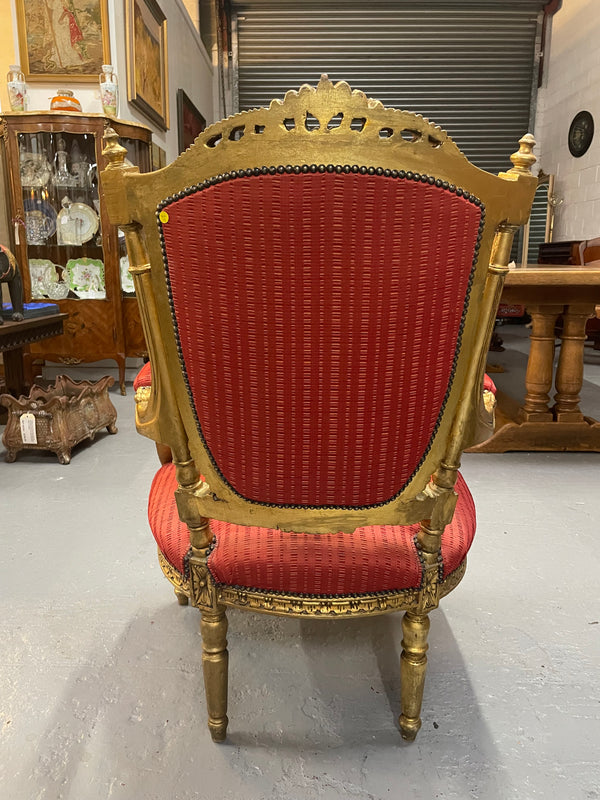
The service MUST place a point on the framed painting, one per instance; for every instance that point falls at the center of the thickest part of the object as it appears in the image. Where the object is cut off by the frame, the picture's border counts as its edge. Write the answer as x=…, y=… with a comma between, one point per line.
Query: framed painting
x=159, y=157
x=63, y=39
x=147, y=79
x=190, y=121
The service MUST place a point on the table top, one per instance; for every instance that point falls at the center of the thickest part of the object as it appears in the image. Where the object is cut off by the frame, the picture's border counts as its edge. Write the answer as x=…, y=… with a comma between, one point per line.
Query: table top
x=17, y=334
x=558, y=284
x=555, y=274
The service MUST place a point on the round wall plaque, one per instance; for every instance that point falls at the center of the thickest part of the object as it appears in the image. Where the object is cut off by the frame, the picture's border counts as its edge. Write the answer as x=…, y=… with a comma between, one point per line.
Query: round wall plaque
x=581, y=133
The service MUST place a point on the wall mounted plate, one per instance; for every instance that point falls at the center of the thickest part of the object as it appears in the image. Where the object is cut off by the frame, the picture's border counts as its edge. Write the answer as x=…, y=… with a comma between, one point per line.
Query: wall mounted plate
x=581, y=133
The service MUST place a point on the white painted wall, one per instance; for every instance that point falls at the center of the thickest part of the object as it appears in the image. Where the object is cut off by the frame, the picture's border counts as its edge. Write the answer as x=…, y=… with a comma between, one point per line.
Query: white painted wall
x=190, y=69
x=572, y=84
x=193, y=9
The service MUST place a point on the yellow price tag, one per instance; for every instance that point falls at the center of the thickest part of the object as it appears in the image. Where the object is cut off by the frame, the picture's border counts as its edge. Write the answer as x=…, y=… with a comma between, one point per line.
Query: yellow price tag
x=163, y=217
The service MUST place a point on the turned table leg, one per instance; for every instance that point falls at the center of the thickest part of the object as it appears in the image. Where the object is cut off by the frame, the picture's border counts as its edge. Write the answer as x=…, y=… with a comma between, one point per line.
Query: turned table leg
x=569, y=373
x=538, y=379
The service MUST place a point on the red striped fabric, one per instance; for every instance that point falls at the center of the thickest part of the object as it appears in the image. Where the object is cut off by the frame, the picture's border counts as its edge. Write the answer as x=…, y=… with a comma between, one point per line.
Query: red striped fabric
x=488, y=384
x=143, y=378
x=372, y=559
x=318, y=316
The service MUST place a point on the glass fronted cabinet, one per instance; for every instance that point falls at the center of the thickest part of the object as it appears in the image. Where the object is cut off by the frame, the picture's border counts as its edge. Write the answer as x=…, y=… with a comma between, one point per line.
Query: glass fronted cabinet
x=68, y=252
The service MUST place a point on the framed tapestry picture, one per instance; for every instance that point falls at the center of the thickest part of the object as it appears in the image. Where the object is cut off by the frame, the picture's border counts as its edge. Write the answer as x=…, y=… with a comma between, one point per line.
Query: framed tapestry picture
x=190, y=121
x=147, y=79
x=63, y=39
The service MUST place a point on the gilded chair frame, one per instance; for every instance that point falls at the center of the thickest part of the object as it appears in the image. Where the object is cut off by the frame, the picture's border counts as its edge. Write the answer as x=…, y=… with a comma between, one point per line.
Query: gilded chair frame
x=327, y=126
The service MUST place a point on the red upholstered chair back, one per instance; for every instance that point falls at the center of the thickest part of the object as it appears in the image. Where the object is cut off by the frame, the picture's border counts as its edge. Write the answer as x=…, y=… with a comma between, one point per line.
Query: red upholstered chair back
x=319, y=312
x=318, y=282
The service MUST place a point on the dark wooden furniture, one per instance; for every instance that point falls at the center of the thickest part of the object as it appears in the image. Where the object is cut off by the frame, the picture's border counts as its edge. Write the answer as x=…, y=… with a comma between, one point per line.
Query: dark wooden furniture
x=15, y=337
x=549, y=292
x=559, y=253
x=52, y=160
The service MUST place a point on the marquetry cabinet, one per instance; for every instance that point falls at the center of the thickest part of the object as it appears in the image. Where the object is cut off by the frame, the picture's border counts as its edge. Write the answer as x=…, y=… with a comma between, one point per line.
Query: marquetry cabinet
x=68, y=252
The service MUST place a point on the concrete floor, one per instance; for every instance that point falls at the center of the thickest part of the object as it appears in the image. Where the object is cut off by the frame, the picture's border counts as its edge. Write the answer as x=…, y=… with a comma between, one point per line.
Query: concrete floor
x=100, y=668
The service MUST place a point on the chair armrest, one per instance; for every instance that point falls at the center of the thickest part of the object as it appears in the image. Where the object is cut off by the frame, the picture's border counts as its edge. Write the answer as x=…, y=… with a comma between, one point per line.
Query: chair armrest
x=142, y=386
x=484, y=427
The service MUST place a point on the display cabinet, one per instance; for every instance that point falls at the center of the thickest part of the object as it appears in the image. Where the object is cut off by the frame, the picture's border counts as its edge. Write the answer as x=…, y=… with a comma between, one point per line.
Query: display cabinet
x=67, y=249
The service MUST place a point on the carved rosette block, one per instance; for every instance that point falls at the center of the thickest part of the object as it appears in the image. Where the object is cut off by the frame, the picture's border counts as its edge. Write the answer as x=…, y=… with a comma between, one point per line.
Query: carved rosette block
x=202, y=589
x=429, y=596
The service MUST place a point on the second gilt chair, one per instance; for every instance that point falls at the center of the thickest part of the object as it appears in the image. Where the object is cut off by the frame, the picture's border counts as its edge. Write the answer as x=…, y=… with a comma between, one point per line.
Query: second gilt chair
x=318, y=283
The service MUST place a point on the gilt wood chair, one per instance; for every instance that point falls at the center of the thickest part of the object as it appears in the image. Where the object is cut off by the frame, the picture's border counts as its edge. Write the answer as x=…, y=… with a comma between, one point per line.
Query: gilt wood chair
x=318, y=283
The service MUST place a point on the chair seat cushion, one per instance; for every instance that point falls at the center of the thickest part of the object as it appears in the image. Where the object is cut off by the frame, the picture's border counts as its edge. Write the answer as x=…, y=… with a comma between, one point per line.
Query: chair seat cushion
x=488, y=384
x=372, y=559
x=143, y=378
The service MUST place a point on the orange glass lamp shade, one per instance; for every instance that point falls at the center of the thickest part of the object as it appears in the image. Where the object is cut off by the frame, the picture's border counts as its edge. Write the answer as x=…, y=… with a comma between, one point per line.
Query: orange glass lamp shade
x=64, y=101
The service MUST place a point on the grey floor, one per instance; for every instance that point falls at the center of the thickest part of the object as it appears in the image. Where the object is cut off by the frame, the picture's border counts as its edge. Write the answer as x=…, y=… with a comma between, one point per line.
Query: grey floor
x=100, y=668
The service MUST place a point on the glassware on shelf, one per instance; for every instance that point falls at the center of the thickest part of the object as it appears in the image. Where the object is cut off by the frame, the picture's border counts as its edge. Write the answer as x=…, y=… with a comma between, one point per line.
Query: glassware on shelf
x=62, y=174
x=75, y=153
x=84, y=173
x=109, y=90
x=64, y=100
x=34, y=169
x=80, y=167
x=40, y=217
x=58, y=290
x=17, y=89
x=38, y=226
x=55, y=287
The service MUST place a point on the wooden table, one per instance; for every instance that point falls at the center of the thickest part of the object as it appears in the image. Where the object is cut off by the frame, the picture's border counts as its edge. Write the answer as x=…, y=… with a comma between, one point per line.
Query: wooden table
x=14, y=336
x=547, y=292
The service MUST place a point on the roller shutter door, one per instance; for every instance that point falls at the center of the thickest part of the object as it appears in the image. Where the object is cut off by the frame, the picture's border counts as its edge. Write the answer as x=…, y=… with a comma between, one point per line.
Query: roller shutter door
x=468, y=67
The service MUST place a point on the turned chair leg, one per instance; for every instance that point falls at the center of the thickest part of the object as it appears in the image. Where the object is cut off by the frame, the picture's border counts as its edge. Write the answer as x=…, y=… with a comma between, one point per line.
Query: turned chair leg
x=215, y=659
x=415, y=628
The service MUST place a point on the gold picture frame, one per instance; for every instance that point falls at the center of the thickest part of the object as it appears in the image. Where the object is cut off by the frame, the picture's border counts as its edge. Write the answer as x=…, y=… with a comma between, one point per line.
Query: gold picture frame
x=147, y=75
x=62, y=40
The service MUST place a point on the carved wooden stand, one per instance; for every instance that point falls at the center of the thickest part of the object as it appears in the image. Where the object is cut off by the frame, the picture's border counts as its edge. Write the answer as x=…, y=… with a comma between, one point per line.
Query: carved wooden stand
x=65, y=414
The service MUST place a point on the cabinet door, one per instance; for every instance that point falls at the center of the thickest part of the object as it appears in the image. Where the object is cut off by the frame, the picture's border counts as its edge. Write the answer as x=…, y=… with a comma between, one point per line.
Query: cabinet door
x=61, y=232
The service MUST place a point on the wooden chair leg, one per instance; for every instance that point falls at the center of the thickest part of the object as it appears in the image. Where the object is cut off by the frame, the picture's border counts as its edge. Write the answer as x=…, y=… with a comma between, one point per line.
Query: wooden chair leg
x=215, y=660
x=415, y=628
